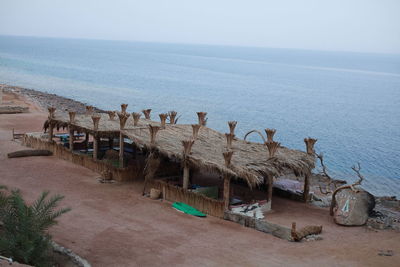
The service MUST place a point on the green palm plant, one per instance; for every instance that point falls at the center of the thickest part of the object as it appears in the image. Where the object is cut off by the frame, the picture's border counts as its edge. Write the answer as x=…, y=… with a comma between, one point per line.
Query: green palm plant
x=23, y=230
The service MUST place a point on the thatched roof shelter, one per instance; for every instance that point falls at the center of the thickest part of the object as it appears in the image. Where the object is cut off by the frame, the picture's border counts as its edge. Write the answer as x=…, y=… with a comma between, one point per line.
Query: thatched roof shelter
x=250, y=160
x=84, y=123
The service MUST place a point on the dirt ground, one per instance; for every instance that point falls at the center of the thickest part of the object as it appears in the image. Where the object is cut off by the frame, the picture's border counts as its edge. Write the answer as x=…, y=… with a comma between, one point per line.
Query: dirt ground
x=113, y=225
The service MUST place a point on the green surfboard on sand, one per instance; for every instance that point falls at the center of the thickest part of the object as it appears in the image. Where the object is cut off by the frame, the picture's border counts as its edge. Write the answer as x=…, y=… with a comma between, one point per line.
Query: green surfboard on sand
x=188, y=209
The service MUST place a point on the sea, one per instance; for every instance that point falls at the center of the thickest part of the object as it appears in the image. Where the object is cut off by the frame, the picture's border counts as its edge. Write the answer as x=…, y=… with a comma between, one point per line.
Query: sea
x=349, y=101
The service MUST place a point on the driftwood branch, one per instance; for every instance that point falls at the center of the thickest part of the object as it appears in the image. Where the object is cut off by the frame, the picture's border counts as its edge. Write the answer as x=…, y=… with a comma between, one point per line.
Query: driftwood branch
x=351, y=186
x=305, y=231
x=29, y=153
x=328, y=188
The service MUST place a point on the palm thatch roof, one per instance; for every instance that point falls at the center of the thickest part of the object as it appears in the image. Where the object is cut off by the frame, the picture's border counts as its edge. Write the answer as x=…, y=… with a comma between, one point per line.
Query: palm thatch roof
x=84, y=123
x=250, y=160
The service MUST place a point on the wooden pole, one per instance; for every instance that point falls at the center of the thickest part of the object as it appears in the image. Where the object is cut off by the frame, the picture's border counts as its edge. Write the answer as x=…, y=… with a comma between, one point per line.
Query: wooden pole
x=87, y=141
x=71, y=138
x=111, y=142
x=269, y=190
x=185, y=177
x=121, y=150
x=51, y=129
x=306, y=190
x=95, y=147
x=227, y=191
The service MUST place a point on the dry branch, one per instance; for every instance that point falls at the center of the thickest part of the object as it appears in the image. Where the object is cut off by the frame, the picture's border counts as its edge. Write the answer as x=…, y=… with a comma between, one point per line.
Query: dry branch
x=351, y=186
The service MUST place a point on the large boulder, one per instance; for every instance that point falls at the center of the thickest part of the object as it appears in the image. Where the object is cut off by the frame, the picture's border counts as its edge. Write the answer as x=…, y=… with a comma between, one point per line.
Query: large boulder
x=353, y=207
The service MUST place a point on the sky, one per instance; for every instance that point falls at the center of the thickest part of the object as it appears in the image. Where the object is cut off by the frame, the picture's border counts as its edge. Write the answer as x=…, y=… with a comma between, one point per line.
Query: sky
x=337, y=25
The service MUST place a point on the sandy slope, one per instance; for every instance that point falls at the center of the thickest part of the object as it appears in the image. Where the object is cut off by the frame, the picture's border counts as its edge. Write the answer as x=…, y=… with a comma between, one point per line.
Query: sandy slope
x=113, y=225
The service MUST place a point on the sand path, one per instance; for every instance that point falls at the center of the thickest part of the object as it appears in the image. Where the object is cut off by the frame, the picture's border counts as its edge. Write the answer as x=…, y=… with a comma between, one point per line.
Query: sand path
x=113, y=225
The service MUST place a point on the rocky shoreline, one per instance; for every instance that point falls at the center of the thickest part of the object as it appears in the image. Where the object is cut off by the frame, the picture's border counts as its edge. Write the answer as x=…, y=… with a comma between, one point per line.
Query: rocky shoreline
x=46, y=100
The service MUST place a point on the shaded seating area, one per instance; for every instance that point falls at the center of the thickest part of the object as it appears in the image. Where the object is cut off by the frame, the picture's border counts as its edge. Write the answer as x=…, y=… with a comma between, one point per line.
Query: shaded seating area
x=186, y=162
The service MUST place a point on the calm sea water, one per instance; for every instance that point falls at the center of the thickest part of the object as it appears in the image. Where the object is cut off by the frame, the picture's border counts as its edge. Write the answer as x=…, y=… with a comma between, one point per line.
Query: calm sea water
x=349, y=101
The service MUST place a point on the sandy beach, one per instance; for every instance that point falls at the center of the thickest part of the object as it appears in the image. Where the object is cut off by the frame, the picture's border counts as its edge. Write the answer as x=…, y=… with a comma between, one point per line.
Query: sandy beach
x=114, y=225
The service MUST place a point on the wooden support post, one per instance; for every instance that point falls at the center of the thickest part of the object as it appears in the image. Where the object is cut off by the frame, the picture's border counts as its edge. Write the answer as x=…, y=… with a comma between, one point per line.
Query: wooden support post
x=121, y=150
x=185, y=177
x=111, y=142
x=87, y=141
x=227, y=191
x=269, y=190
x=51, y=129
x=306, y=190
x=71, y=139
x=95, y=147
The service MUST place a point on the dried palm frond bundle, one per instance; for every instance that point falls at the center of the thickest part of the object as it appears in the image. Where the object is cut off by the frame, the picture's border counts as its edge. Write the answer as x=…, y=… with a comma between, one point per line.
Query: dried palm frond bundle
x=229, y=140
x=163, y=119
x=136, y=117
x=124, y=107
x=272, y=148
x=96, y=119
x=52, y=111
x=153, y=133
x=72, y=115
x=202, y=118
x=270, y=134
x=227, y=157
x=172, y=116
x=89, y=110
x=310, y=142
x=146, y=113
x=187, y=147
x=111, y=114
x=123, y=117
x=196, y=128
x=232, y=126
